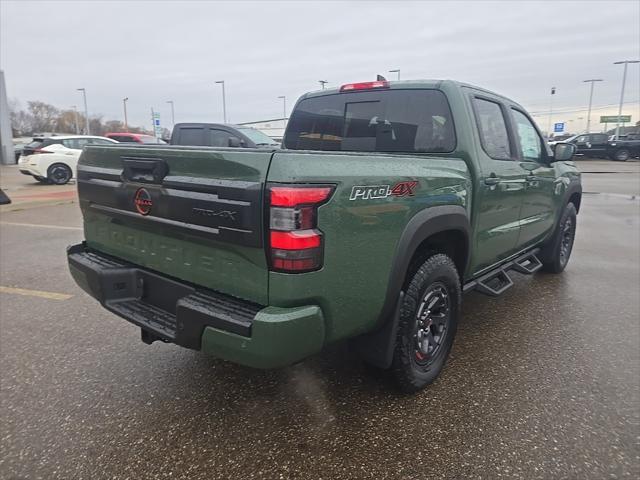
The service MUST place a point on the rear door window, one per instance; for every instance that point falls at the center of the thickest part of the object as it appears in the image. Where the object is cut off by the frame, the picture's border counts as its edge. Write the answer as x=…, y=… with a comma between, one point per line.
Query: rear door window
x=100, y=141
x=192, y=136
x=76, y=143
x=493, y=129
x=373, y=121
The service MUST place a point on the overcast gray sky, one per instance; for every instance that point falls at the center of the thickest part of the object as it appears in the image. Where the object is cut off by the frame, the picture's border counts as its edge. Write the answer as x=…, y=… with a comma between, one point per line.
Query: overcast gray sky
x=153, y=51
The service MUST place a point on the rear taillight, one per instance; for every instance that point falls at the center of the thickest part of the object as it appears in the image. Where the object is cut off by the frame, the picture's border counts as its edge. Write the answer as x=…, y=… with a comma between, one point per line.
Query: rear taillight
x=295, y=243
x=39, y=150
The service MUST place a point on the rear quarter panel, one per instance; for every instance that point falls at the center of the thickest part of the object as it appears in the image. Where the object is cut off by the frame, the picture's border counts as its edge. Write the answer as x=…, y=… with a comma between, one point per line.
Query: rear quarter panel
x=360, y=235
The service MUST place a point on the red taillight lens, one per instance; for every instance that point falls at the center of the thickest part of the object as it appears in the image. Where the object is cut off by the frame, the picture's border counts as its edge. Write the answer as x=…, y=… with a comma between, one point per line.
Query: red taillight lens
x=349, y=87
x=295, y=244
x=293, y=196
x=296, y=240
x=42, y=151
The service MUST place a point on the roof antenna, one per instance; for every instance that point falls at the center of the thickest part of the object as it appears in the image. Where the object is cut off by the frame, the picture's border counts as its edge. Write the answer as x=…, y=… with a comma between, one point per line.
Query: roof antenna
x=380, y=78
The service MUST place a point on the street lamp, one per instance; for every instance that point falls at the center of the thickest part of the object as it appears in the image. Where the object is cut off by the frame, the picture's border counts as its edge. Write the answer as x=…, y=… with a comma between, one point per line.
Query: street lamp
x=397, y=70
x=553, y=92
x=86, y=111
x=224, y=101
x=322, y=83
x=126, y=124
x=284, y=106
x=75, y=111
x=624, y=79
x=592, y=81
x=173, y=116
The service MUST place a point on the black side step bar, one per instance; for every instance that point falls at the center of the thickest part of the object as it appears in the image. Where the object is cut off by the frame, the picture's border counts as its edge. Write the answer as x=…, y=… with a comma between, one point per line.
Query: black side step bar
x=497, y=281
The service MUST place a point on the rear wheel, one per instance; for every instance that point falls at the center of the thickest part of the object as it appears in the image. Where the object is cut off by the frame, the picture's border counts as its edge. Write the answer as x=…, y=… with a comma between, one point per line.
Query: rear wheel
x=555, y=255
x=428, y=323
x=59, y=173
x=42, y=179
x=621, y=155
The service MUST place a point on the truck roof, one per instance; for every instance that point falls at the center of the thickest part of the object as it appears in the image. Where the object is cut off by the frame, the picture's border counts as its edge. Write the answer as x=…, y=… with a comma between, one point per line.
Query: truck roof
x=419, y=83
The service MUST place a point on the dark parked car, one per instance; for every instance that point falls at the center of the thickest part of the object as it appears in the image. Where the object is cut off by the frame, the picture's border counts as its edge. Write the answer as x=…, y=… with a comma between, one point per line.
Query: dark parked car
x=590, y=144
x=625, y=148
x=220, y=135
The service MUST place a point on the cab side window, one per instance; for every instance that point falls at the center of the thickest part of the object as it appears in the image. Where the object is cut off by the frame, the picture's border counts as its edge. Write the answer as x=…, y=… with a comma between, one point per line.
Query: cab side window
x=530, y=141
x=493, y=129
x=219, y=138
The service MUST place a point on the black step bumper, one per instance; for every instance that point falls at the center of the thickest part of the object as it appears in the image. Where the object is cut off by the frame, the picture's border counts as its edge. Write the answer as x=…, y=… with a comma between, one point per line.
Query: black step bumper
x=164, y=308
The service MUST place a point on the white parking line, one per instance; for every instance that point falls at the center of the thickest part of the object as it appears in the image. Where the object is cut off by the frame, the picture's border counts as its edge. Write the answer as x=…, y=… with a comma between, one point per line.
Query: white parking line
x=40, y=226
x=35, y=293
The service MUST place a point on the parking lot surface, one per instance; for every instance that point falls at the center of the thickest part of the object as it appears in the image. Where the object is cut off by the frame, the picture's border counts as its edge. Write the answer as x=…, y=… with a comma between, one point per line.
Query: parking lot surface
x=543, y=382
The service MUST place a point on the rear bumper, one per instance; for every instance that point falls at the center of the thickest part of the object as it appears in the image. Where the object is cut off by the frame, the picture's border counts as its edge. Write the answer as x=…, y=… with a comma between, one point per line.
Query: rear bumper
x=174, y=311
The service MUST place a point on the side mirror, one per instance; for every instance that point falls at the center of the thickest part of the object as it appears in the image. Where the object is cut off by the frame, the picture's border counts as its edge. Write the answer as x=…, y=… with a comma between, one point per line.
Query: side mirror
x=563, y=151
x=235, y=142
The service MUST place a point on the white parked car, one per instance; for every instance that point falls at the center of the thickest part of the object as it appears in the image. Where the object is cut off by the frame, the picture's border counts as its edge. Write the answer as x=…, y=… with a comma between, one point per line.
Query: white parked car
x=54, y=159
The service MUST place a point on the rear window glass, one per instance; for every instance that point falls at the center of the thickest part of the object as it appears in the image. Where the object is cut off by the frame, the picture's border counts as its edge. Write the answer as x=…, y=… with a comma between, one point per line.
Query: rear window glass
x=373, y=121
x=149, y=139
x=35, y=144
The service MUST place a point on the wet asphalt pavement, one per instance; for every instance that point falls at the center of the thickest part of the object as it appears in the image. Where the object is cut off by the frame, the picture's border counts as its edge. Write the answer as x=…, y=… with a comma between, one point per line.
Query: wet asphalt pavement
x=543, y=382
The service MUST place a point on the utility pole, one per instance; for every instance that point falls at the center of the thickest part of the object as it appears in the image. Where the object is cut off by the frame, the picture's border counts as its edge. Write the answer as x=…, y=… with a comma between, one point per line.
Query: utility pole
x=284, y=106
x=224, y=101
x=397, y=70
x=624, y=80
x=553, y=92
x=76, y=121
x=322, y=83
x=592, y=81
x=173, y=116
x=126, y=123
x=86, y=111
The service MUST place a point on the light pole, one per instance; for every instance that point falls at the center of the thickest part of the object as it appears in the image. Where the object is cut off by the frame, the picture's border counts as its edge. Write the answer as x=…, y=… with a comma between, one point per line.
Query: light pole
x=397, y=70
x=126, y=124
x=173, y=116
x=592, y=81
x=224, y=101
x=553, y=92
x=284, y=106
x=624, y=79
x=322, y=83
x=86, y=111
x=75, y=111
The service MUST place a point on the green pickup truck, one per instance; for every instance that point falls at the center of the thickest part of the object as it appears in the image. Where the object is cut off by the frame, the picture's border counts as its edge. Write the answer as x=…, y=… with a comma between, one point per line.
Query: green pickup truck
x=386, y=203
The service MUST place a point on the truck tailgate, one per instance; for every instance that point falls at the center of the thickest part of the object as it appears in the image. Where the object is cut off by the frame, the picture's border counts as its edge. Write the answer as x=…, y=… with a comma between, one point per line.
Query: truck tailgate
x=192, y=213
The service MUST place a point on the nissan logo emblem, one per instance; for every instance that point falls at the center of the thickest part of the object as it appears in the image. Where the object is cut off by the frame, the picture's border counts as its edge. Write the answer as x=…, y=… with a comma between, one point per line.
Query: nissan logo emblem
x=142, y=201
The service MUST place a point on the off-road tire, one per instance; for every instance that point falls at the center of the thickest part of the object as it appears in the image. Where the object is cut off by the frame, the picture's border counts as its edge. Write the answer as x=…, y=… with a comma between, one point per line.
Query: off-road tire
x=621, y=155
x=411, y=375
x=59, y=174
x=556, y=253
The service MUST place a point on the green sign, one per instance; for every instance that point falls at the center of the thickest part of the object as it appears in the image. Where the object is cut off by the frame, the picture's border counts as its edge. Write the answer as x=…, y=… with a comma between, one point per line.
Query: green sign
x=614, y=119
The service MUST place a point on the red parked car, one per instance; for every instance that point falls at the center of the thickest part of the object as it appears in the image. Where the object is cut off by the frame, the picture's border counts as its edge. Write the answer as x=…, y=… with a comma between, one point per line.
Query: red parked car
x=126, y=137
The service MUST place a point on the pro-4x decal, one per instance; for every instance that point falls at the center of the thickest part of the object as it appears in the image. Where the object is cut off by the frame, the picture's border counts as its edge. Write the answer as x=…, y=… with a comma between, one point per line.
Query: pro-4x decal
x=368, y=192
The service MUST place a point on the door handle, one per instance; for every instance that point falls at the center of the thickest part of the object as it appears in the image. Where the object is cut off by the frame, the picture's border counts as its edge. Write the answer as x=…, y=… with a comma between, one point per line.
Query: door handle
x=491, y=180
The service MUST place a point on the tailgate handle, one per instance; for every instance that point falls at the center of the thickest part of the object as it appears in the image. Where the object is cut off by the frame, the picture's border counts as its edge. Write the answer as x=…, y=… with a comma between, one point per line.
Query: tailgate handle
x=144, y=170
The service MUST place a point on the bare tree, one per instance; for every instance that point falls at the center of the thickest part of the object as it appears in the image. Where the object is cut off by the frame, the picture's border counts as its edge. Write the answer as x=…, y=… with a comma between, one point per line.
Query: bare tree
x=45, y=116
x=21, y=121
